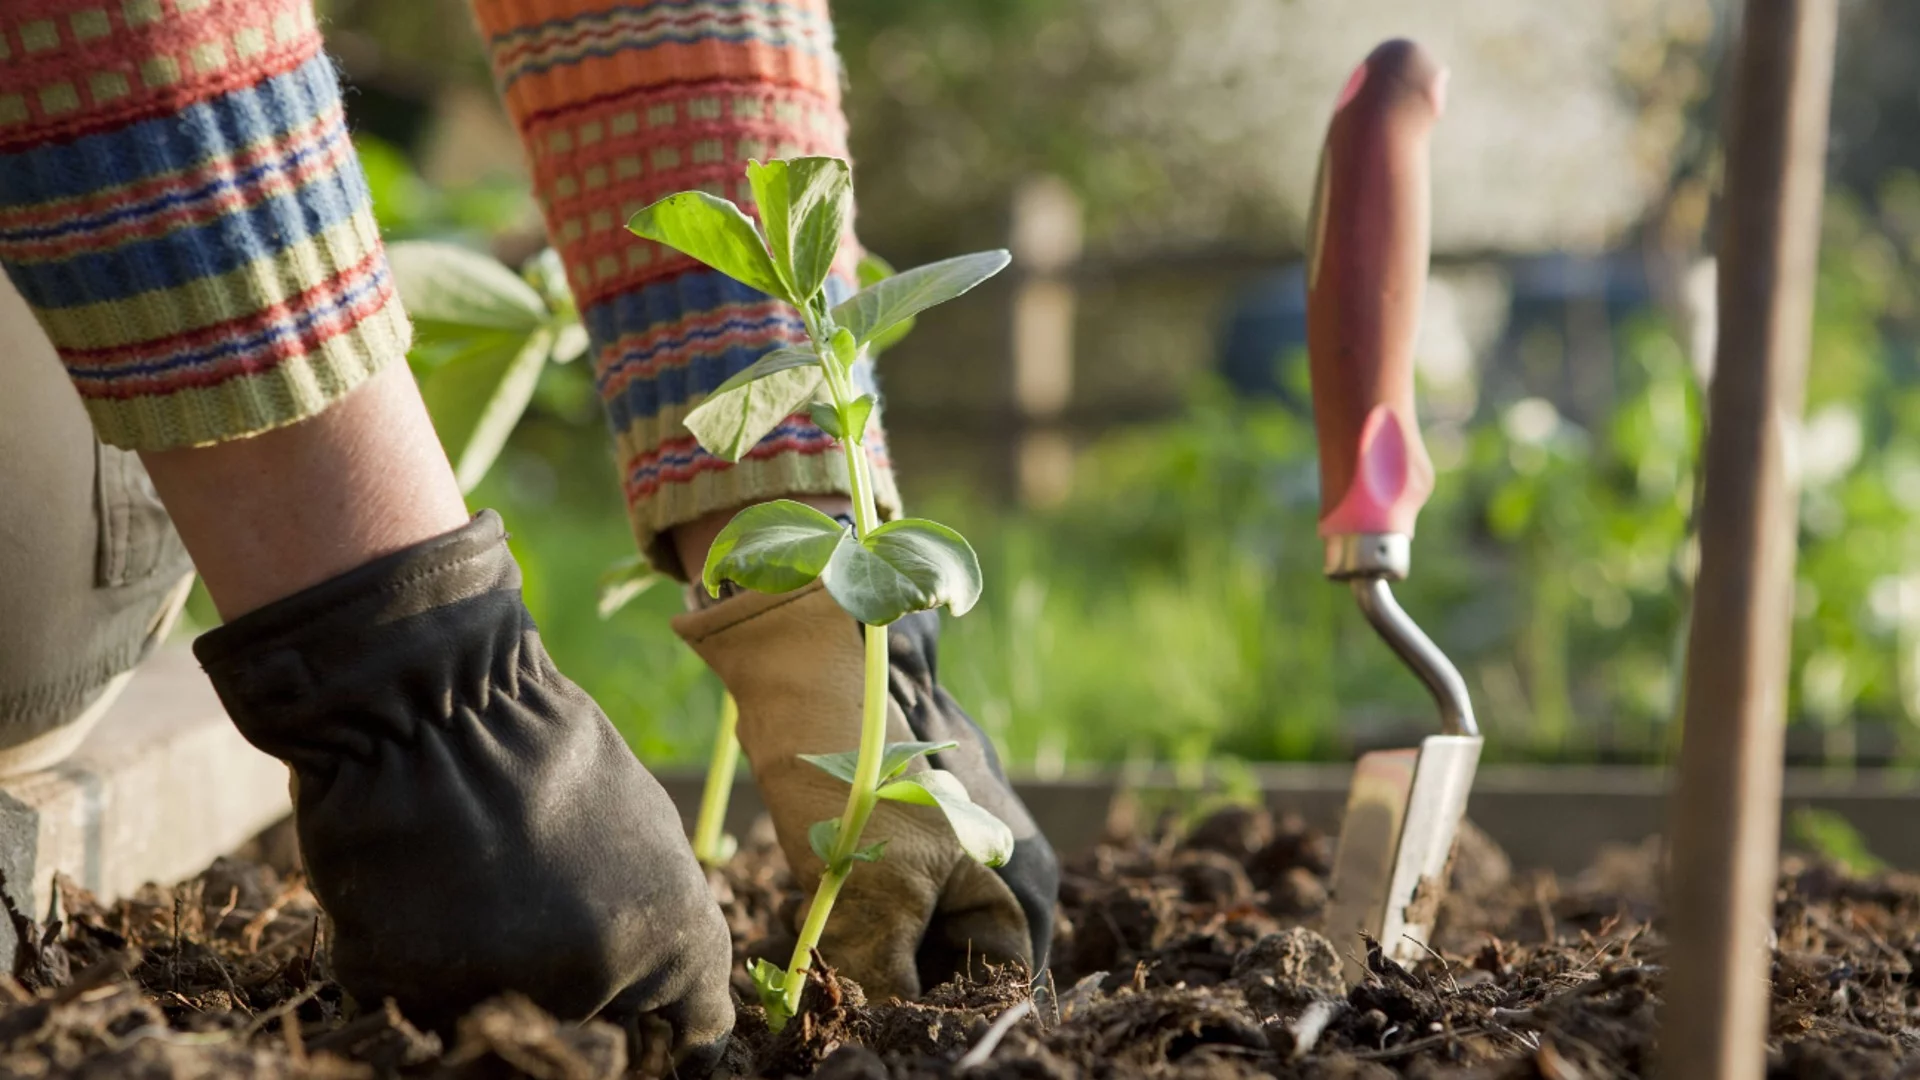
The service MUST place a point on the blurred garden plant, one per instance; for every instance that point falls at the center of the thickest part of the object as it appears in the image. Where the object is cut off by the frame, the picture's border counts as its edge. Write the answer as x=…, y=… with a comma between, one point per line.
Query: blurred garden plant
x=876, y=572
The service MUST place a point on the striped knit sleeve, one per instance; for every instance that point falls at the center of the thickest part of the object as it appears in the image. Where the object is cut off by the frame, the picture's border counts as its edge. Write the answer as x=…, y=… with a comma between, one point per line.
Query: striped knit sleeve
x=182, y=209
x=619, y=104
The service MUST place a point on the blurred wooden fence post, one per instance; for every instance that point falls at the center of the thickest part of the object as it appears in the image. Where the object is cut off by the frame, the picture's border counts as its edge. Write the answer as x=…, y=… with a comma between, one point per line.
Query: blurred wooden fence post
x=1726, y=810
x=1046, y=243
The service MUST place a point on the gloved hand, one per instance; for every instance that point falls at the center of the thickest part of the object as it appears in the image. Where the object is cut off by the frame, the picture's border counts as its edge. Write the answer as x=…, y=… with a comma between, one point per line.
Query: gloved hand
x=470, y=820
x=794, y=663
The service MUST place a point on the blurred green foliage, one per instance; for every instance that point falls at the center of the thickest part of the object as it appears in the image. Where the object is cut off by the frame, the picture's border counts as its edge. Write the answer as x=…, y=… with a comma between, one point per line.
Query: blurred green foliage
x=1172, y=610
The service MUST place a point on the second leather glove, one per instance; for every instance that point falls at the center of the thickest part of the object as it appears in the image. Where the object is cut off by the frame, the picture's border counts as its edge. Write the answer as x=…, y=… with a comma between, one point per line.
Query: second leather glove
x=794, y=663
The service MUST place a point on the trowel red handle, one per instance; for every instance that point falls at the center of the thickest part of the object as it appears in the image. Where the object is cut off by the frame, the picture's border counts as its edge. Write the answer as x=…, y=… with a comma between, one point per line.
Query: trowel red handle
x=1368, y=248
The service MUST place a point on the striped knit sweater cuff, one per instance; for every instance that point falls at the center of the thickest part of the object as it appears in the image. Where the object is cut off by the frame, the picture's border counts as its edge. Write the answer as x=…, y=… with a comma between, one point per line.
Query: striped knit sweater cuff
x=181, y=207
x=619, y=104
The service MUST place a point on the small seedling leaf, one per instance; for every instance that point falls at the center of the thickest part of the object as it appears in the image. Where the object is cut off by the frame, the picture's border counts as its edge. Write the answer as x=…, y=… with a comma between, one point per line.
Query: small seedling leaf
x=858, y=410
x=770, y=981
x=827, y=418
x=984, y=837
x=902, y=754
x=902, y=566
x=773, y=547
x=623, y=581
x=715, y=232
x=845, y=349
x=878, y=307
x=449, y=290
x=821, y=836
x=840, y=766
x=730, y=424
x=871, y=853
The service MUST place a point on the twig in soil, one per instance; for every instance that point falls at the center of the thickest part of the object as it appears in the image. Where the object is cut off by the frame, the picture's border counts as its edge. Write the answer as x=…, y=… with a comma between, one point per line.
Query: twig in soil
x=260, y=1022
x=1445, y=968
x=985, y=1047
x=1416, y=1046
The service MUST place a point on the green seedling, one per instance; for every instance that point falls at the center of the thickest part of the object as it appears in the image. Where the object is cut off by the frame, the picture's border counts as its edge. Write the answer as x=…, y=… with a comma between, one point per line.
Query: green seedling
x=876, y=572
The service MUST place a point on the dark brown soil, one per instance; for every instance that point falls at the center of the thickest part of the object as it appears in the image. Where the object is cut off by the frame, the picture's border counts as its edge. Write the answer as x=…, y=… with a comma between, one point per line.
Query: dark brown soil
x=1179, y=955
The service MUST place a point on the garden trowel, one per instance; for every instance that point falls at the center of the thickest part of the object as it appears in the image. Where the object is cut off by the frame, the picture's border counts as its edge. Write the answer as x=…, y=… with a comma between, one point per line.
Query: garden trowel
x=1366, y=272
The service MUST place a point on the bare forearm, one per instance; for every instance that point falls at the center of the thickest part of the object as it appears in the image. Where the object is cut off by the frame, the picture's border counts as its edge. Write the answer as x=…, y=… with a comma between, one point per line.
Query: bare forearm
x=268, y=516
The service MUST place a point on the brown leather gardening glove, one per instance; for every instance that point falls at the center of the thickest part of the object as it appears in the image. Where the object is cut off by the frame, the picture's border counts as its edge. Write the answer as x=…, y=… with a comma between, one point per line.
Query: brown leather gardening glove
x=793, y=662
x=470, y=820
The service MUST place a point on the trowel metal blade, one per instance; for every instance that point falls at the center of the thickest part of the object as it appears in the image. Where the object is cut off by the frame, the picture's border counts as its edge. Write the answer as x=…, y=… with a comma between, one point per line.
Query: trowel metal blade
x=1390, y=869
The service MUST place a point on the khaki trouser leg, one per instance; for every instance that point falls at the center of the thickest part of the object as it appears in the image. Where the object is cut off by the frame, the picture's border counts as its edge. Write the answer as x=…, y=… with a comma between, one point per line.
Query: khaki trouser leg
x=91, y=573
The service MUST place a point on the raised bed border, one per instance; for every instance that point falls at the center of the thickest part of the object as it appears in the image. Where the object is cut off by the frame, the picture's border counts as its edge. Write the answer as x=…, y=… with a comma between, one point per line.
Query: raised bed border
x=1547, y=817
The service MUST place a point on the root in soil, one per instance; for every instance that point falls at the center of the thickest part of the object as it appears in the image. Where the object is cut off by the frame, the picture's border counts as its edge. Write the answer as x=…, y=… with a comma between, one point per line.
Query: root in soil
x=1180, y=954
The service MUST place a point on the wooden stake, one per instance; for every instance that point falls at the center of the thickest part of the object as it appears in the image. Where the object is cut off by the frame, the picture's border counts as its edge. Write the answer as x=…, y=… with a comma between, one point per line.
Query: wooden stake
x=1726, y=810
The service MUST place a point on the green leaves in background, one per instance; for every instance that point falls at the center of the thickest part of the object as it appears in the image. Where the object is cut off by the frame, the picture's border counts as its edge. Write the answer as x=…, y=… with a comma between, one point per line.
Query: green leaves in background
x=452, y=291
x=715, y=232
x=879, y=307
x=490, y=332
x=984, y=837
x=803, y=205
x=773, y=547
x=624, y=581
x=903, y=566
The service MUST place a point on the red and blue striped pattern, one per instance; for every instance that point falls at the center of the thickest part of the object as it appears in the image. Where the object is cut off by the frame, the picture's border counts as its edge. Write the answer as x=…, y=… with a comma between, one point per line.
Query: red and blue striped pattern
x=181, y=207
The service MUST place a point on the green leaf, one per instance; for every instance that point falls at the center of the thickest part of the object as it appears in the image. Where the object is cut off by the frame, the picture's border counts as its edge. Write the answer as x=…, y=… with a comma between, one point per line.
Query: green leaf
x=821, y=836
x=773, y=547
x=840, y=766
x=623, y=581
x=478, y=395
x=715, y=232
x=871, y=853
x=827, y=418
x=803, y=208
x=984, y=837
x=858, y=410
x=845, y=349
x=569, y=341
x=902, y=754
x=770, y=982
x=902, y=566
x=548, y=276
x=874, y=309
x=730, y=424
x=872, y=270
x=782, y=359
x=893, y=762
x=448, y=289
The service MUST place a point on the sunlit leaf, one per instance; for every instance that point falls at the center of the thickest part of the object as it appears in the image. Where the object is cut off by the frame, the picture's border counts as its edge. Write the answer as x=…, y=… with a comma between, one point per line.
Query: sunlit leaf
x=448, y=289
x=773, y=547
x=906, y=565
x=623, y=582
x=782, y=359
x=715, y=232
x=477, y=397
x=730, y=424
x=984, y=837
x=874, y=309
x=803, y=206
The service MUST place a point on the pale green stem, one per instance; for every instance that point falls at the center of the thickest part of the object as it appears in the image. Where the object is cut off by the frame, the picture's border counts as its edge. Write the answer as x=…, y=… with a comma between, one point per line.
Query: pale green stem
x=713, y=799
x=861, y=796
